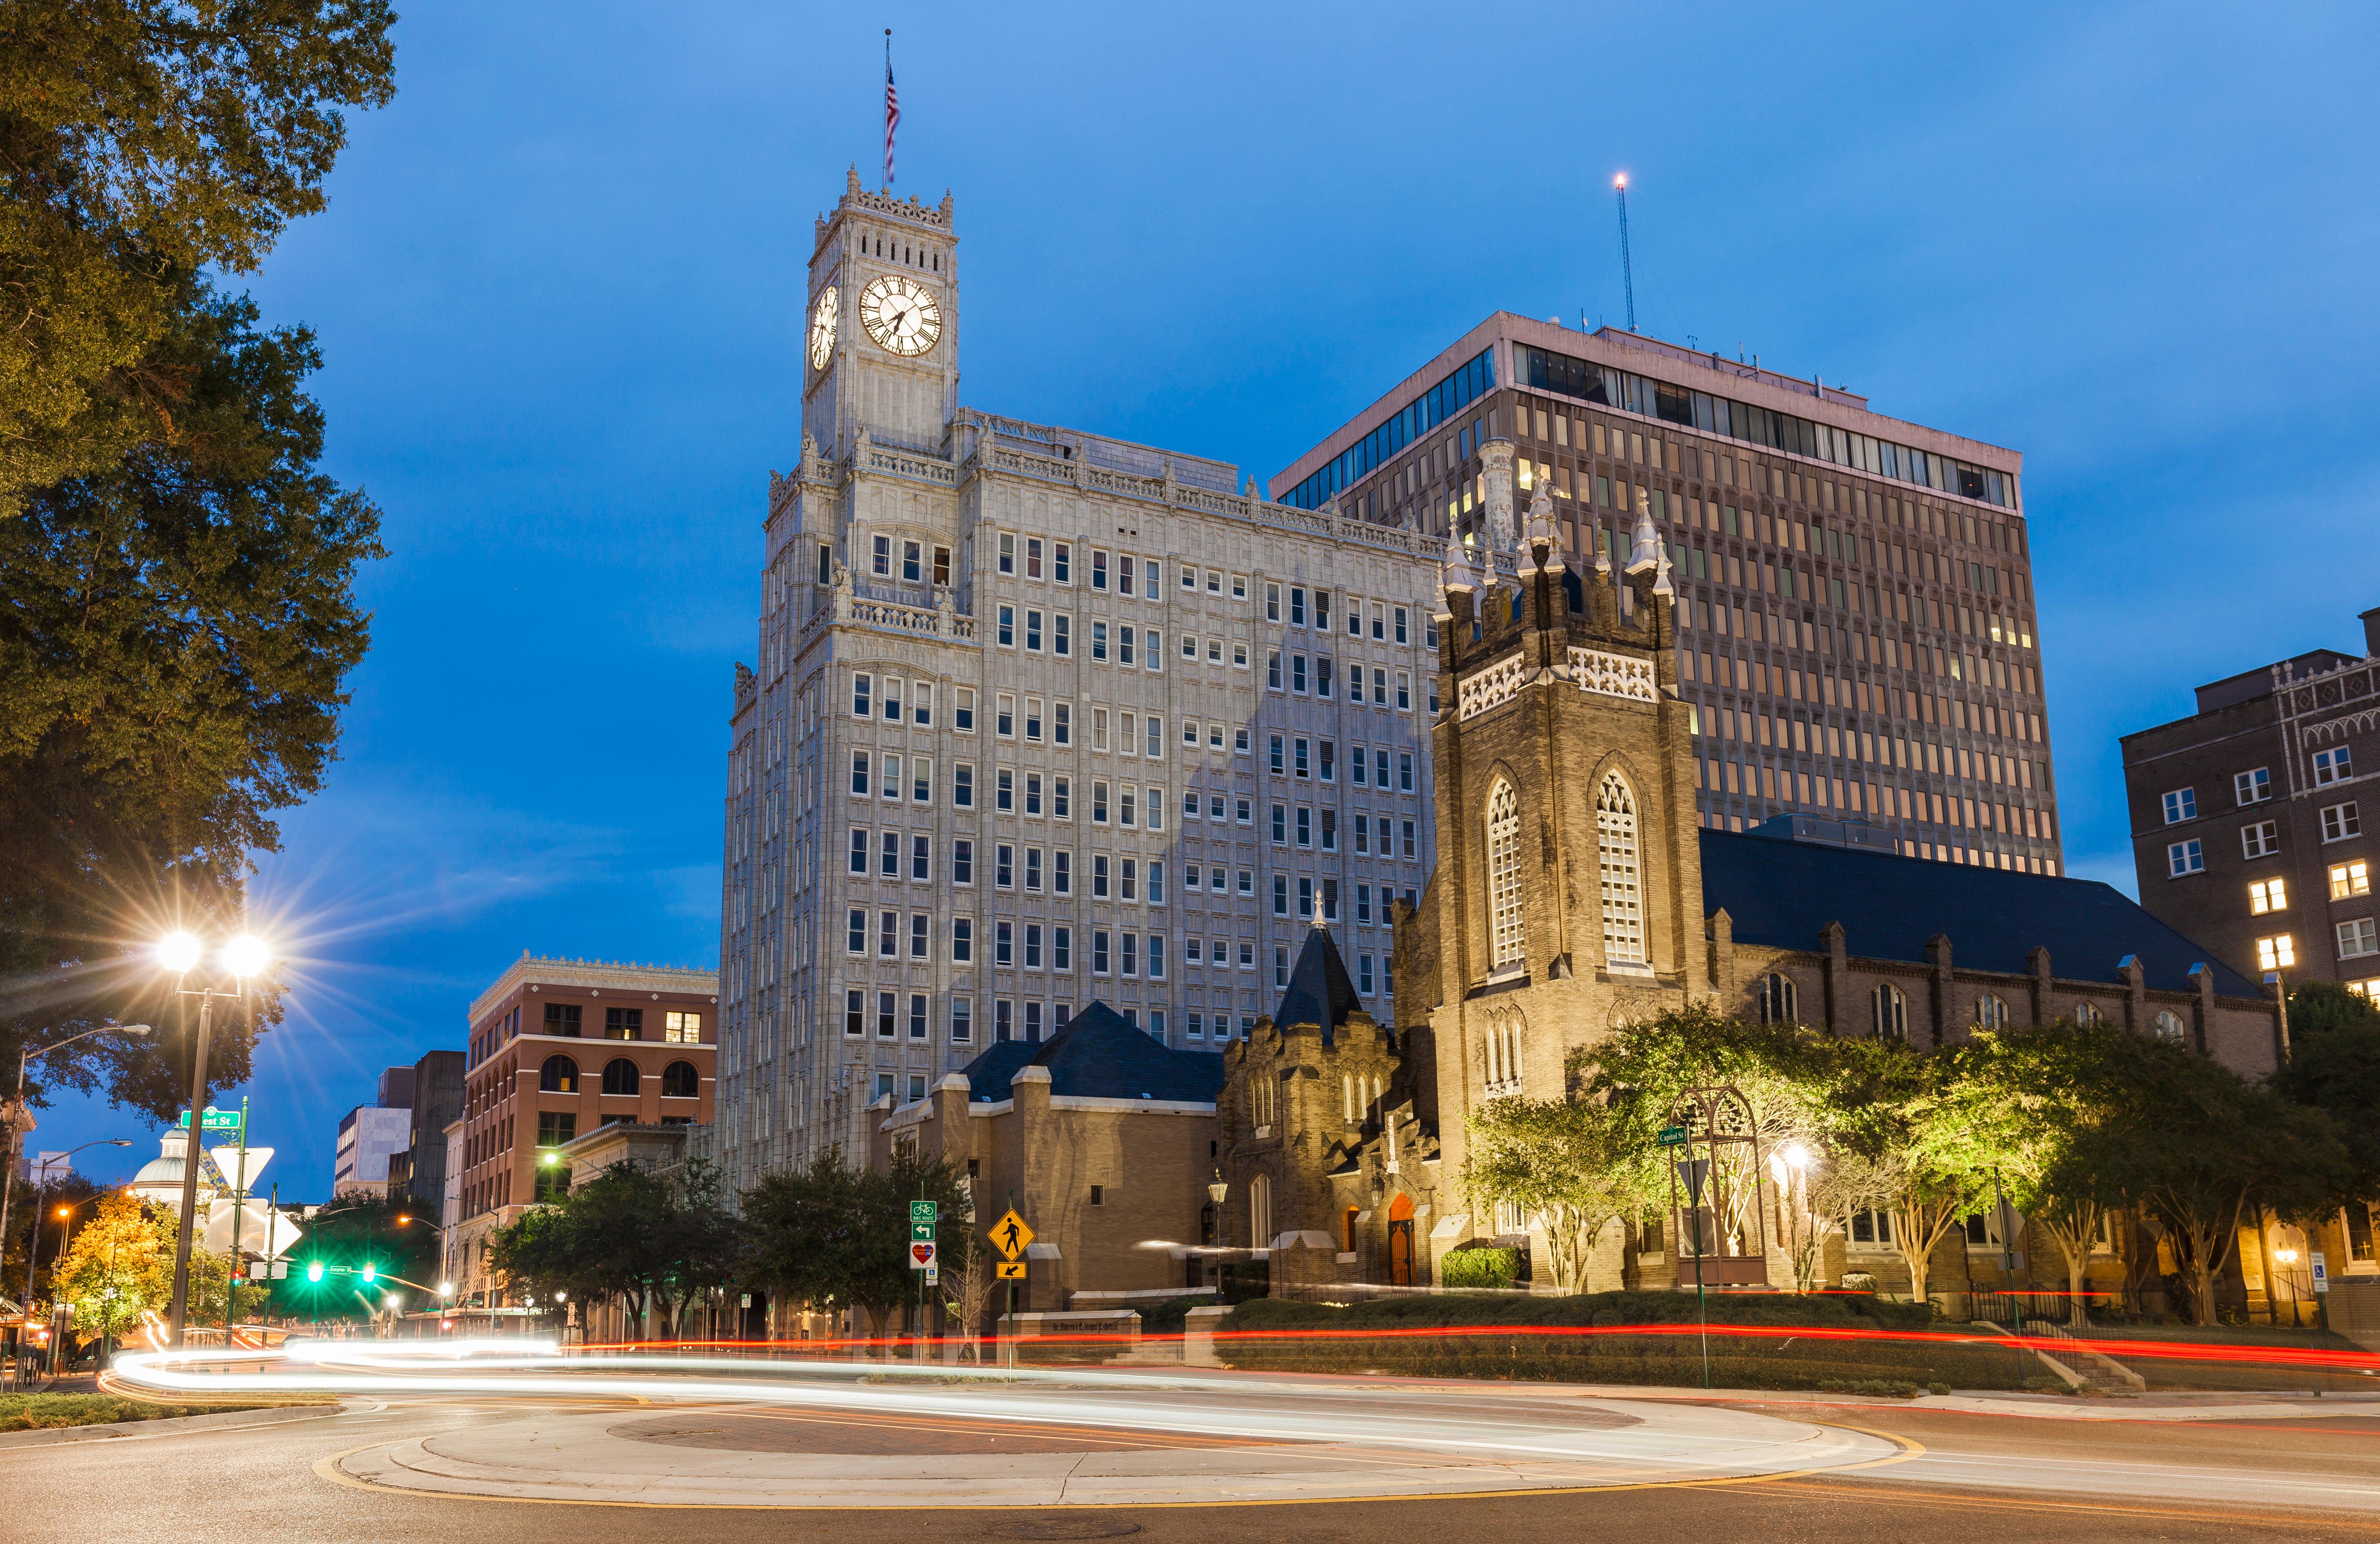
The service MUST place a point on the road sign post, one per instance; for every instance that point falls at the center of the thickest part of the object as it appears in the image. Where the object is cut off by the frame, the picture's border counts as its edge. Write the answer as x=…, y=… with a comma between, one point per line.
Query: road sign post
x=923, y=1214
x=1011, y=1236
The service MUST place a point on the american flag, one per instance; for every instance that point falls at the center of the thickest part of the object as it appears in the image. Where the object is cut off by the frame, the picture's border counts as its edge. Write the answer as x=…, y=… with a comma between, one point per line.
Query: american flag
x=891, y=109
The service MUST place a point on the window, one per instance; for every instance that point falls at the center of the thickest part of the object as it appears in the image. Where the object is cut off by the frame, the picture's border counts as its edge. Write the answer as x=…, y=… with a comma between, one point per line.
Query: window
x=963, y=862
x=1623, y=912
x=860, y=765
x=2358, y=938
x=2348, y=879
x=2278, y=953
x=1873, y=1229
x=855, y=931
x=1062, y=561
x=887, y=1014
x=888, y=934
x=2260, y=840
x=861, y=686
x=854, y=1011
x=558, y=1076
x=1506, y=935
x=1405, y=771
x=2253, y=788
x=561, y=1018
x=2181, y=804
x=1778, y=999
x=918, y=924
x=556, y=1127
x=1061, y=638
x=2332, y=766
x=963, y=710
x=918, y=1032
x=1891, y=1013
x=2267, y=896
x=1032, y=558
x=921, y=862
x=621, y=1076
x=2167, y=1026
x=962, y=941
x=1007, y=551
x=2087, y=1014
x=1991, y=1010
x=921, y=704
x=2339, y=822
x=2182, y=858
x=1003, y=718
x=961, y=1020
x=1006, y=626
x=682, y=1029
x=963, y=785
x=1098, y=569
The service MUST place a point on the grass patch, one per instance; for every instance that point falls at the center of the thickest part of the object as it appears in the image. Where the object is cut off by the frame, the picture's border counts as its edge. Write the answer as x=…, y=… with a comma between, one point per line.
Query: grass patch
x=34, y=1412
x=1848, y=1356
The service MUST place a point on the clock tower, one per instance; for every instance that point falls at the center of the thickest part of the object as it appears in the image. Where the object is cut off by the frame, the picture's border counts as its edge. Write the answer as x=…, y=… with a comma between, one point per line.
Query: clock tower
x=880, y=350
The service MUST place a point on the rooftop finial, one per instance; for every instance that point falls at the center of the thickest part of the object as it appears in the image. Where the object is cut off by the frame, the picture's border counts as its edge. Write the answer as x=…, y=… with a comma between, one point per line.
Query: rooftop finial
x=1648, y=553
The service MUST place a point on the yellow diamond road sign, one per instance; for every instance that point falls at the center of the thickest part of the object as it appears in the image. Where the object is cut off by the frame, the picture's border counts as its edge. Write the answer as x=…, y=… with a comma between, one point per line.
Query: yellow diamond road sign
x=1010, y=1236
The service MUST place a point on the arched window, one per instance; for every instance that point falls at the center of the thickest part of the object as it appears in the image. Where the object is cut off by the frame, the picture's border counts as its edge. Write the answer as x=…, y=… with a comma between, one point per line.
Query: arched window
x=1778, y=1004
x=1991, y=1012
x=679, y=1080
x=1891, y=1013
x=2087, y=1014
x=621, y=1075
x=559, y=1075
x=1623, y=899
x=1504, y=1055
x=2169, y=1028
x=1260, y=1212
x=1504, y=876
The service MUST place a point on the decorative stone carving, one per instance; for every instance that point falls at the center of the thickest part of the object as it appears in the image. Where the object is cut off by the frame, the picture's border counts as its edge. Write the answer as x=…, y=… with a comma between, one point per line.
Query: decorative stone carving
x=1493, y=686
x=1612, y=674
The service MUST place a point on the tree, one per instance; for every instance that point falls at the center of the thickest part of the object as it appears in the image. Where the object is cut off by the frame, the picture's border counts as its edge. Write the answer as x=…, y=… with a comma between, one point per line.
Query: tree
x=1912, y=1154
x=143, y=141
x=828, y=1234
x=174, y=635
x=1575, y=1164
x=119, y=1267
x=650, y=1242
x=2333, y=1067
x=2055, y=1112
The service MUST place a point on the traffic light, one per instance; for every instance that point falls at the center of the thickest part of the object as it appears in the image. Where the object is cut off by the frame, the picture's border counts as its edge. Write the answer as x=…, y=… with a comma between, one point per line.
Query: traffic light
x=371, y=1271
x=314, y=1272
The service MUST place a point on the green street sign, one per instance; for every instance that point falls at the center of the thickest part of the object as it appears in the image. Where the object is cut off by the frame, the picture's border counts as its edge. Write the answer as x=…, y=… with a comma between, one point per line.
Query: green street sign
x=213, y=1120
x=921, y=1233
x=1672, y=1136
x=923, y=1212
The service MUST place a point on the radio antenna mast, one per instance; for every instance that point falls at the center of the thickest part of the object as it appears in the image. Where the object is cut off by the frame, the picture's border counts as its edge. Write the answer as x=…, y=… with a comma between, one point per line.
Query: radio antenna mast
x=1627, y=274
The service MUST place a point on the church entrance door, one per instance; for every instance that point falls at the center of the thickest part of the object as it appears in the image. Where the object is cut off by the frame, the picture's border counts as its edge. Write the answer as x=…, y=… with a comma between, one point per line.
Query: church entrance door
x=1401, y=1240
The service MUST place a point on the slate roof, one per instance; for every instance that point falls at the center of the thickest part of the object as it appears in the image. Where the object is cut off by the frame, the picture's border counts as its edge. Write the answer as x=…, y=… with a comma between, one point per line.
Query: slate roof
x=1099, y=1055
x=1779, y=893
x=1319, y=991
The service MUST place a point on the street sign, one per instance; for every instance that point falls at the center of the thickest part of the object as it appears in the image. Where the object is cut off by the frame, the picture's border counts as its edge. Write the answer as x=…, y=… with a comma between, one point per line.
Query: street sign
x=934, y=1275
x=1672, y=1136
x=922, y=1231
x=2321, y=1272
x=213, y=1120
x=923, y=1212
x=1008, y=1271
x=922, y=1256
x=1010, y=1236
x=1695, y=1171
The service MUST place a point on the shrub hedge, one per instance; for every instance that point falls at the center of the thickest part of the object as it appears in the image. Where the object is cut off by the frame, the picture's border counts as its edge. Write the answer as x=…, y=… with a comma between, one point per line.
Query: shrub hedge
x=1453, y=1335
x=1480, y=1266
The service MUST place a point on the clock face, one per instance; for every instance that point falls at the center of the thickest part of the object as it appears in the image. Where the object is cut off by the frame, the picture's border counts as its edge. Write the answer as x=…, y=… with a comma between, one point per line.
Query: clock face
x=822, y=329
x=901, y=316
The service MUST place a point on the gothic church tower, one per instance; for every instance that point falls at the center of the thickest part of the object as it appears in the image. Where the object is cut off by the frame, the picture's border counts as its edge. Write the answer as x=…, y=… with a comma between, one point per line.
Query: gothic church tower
x=1568, y=895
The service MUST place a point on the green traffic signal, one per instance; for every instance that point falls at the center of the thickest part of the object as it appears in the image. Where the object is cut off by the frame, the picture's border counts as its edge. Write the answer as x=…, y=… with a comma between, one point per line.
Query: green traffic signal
x=371, y=1272
x=314, y=1272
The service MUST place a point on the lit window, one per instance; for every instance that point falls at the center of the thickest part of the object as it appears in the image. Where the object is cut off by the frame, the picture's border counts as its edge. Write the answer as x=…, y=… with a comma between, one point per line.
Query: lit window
x=682, y=1029
x=1991, y=1012
x=1778, y=999
x=1623, y=910
x=2167, y=1027
x=1503, y=876
x=2277, y=952
x=2349, y=880
x=2181, y=804
x=1891, y=1013
x=2268, y=895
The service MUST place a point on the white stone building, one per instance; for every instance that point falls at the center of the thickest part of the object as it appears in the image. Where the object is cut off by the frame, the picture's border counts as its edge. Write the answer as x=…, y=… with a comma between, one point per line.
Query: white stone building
x=1040, y=717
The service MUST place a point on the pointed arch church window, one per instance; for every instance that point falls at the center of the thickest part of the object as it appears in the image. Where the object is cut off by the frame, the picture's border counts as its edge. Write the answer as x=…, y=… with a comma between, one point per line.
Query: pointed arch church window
x=1623, y=899
x=1504, y=876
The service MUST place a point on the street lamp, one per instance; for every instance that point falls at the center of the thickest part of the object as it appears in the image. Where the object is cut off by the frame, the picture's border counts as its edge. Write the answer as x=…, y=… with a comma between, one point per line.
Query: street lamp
x=1216, y=1191
x=17, y=1129
x=241, y=958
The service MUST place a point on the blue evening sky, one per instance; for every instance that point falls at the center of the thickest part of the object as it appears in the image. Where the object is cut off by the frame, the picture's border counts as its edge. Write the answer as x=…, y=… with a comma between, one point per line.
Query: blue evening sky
x=558, y=292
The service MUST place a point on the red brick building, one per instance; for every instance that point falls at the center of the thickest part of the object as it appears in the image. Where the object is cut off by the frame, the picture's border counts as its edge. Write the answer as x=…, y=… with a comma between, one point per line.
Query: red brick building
x=559, y=1049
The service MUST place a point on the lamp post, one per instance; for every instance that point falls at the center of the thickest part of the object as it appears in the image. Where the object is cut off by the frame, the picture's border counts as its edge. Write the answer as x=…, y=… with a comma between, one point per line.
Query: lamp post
x=1215, y=1193
x=241, y=957
x=17, y=1110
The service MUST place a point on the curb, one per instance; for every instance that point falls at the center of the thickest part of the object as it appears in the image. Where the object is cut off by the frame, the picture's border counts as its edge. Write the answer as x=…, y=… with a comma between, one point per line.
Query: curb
x=48, y=1436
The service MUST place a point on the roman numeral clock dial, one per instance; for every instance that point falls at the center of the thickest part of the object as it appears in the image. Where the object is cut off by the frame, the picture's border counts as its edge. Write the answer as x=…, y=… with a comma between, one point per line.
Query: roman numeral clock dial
x=822, y=329
x=901, y=315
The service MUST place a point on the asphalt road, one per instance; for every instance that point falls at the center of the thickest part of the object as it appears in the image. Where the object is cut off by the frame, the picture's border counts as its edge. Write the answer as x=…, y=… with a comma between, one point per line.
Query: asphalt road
x=2007, y=1478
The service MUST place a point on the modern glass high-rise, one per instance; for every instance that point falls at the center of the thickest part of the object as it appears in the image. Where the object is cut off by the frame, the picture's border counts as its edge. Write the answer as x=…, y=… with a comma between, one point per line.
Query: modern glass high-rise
x=1858, y=635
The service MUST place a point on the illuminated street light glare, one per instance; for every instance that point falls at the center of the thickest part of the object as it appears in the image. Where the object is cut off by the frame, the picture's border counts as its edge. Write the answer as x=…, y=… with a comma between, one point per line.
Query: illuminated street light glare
x=244, y=956
x=178, y=952
x=1619, y=181
x=1796, y=1155
x=446, y=1289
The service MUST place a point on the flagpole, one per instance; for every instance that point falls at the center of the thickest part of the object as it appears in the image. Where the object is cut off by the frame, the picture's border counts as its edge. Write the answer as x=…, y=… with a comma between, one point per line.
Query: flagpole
x=891, y=109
